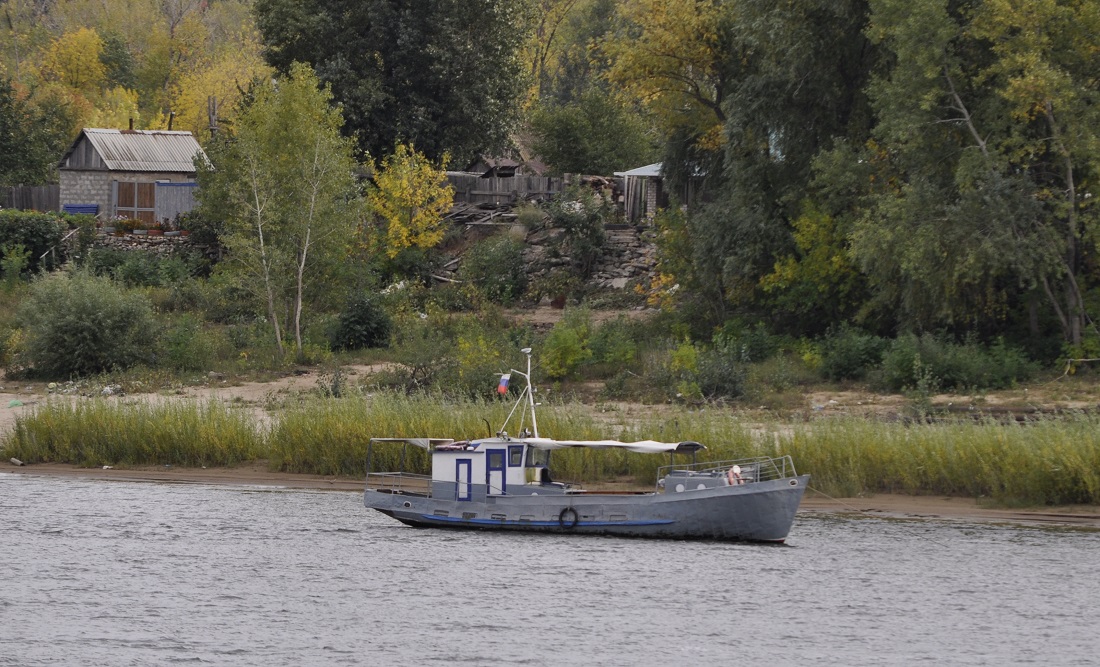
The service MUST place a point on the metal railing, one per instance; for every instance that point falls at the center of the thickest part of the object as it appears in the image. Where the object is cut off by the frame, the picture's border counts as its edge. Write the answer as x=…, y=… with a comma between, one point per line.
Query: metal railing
x=759, y=469
x=405, y=483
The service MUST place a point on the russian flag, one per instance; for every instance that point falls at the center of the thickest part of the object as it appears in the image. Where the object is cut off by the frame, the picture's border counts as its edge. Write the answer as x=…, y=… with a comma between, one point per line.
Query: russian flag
x=502, y=388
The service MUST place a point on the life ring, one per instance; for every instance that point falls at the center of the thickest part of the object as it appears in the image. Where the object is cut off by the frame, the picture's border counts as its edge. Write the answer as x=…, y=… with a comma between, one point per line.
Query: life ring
x=568, y=518
x=733, y=476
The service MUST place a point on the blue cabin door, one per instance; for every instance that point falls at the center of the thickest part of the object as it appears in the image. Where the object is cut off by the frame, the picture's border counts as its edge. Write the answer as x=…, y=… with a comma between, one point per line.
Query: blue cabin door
x=495, y=466
x=462, y=479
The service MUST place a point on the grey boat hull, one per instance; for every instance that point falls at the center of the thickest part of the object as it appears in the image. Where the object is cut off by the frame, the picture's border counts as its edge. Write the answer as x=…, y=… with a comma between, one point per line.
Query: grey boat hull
x=759, y=512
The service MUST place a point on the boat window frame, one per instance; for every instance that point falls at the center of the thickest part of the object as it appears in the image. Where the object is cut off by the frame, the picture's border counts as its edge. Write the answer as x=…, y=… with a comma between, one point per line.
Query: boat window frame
x=515, y=456
x=543, y=456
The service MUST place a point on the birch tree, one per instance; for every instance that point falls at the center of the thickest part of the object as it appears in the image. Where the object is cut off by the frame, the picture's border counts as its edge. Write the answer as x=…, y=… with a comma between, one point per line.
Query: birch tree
x=284, y=186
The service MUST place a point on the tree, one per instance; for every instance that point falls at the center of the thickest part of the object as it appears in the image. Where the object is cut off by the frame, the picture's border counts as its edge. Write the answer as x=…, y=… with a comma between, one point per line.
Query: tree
x=545, y=42
x=33, y=135
x=284, y=184
x=74, y=60
x=441, y=74
x=675, y=57
x=784, y=83
x=224, y=79
x=593, y=135
x=987, y=140
x=410, y=197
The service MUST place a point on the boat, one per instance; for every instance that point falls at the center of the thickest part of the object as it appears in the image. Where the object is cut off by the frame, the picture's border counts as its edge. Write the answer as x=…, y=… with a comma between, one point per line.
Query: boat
x=503, y=482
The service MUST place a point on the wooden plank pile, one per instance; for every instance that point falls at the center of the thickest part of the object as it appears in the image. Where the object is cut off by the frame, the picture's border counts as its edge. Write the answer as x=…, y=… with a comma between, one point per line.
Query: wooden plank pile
x=480, y=214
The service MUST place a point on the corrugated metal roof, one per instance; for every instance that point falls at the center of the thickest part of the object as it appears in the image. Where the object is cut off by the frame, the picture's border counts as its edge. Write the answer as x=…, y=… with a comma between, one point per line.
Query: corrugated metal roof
x=648, y=170
x=143, y=150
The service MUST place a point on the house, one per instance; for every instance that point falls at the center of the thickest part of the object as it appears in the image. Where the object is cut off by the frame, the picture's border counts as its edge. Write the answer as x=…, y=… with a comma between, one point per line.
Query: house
x=644, y=193
x=147, y=175
x=506, y=167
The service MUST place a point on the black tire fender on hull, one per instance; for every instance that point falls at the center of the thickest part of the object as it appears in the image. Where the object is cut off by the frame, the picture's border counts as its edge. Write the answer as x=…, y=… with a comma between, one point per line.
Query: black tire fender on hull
x=568, y=518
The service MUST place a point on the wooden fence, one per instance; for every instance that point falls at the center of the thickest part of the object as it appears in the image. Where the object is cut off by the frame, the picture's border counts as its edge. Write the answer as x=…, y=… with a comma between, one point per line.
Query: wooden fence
x=473, y=189
x=31, y=197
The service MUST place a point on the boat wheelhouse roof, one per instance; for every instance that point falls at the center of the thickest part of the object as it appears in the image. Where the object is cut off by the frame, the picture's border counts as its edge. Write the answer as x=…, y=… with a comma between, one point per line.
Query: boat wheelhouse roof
x=642, y=446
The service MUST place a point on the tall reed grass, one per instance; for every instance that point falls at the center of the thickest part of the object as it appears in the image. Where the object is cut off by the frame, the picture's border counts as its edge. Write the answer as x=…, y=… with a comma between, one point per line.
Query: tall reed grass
x=98, y=432
x=330, y=436
x=1056, y=461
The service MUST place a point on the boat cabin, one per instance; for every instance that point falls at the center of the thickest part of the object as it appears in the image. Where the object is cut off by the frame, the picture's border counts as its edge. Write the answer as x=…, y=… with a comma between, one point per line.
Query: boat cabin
x=493, y=468
x=473, y=470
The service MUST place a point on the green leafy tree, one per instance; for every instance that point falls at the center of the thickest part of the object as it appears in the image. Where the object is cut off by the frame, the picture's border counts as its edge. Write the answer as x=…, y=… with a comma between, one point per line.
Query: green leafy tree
x=592, y=135
x=676, y=57
x=788, y=80
x=284, y=184
x=986, y=144
x=33, y=135
x=563, y=48
x=818, y=284
x=442, y=74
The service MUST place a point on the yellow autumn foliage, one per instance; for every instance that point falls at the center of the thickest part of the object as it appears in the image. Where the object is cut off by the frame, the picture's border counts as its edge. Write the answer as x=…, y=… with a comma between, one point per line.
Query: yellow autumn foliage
x=410, y=197
x=73, y=60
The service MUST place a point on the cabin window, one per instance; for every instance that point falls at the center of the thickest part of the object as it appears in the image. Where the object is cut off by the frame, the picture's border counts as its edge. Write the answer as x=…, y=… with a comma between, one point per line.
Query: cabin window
x=537, y=457
x=496, y=459
x=515, y=456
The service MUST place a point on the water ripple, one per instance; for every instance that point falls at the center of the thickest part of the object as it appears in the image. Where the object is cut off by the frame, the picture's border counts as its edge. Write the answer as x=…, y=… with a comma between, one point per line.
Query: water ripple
x=136, y=574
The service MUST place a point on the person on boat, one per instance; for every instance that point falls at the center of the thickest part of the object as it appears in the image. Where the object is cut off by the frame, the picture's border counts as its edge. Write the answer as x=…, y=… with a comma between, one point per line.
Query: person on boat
x=733, y=476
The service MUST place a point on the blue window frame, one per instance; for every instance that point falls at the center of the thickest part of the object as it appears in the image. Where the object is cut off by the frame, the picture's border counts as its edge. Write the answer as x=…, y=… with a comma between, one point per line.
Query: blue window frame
x=515, y=456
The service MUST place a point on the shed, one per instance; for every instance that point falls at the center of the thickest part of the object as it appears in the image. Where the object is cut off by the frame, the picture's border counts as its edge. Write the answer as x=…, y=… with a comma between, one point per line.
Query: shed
x=147, y=175
x=643, y=192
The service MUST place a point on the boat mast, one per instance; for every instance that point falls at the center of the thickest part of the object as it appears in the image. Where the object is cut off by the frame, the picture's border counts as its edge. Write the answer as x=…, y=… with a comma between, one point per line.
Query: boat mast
x=531, y=393
x=527, y=395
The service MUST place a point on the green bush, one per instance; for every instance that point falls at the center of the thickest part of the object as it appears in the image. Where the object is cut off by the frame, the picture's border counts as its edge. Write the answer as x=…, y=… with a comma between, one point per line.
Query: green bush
x=363, y=324
x=613, y=342
x=936, y=361
x=848, y=353
x=38, y=233
x=720, y=373
x=78, y=324
x=422, y=348
x=14, y=260
x=187, y=346
x=495, y=265
x=136, y=268
x=566, y=346
x=751, y=343
x=581, y=215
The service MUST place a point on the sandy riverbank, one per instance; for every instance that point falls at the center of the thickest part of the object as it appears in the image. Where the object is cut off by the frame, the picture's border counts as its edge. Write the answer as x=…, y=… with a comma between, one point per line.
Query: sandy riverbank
x=880, y=505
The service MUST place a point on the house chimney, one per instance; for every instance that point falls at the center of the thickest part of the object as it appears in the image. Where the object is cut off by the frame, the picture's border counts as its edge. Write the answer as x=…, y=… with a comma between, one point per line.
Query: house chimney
x=171, y=117
x=131, y=124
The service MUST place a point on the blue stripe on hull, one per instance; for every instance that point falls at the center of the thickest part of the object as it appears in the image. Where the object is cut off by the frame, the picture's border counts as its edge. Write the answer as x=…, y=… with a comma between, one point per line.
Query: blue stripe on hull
x=541, y=524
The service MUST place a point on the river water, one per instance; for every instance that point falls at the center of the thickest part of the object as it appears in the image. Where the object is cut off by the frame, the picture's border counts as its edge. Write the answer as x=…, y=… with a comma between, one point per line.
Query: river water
x=114, y=573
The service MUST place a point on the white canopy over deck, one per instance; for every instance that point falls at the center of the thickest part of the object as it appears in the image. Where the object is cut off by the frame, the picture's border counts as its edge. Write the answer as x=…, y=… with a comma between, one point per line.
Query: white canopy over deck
x=642, y=446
